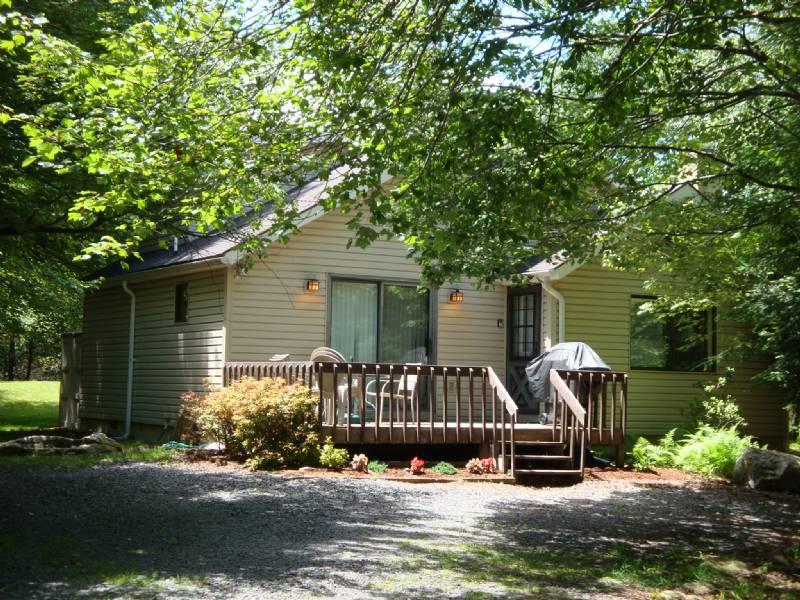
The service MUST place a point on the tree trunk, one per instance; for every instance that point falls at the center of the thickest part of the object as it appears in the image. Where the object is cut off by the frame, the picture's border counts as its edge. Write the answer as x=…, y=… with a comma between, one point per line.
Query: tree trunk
x=29, y=366
x=11, y=359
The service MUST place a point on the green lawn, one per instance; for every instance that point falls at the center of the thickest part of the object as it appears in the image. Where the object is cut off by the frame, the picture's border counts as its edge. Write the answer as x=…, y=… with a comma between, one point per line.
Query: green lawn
x=28, y=405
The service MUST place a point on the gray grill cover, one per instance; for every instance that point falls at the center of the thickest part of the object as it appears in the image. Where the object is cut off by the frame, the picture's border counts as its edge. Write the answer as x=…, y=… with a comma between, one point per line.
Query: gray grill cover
x=568, y=355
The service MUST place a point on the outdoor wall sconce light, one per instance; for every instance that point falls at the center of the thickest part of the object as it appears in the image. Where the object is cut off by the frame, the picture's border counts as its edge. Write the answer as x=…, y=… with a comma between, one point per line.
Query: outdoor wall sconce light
x=456, y=296
x=312, y=285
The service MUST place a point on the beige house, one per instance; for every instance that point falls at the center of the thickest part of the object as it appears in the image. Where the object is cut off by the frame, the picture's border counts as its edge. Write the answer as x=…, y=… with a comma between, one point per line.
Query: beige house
x=190, y=310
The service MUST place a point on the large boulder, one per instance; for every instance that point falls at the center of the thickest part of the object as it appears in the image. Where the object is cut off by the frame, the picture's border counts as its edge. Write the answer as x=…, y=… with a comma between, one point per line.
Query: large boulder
x=768, y=470
x=96, y=443
x=103, y=440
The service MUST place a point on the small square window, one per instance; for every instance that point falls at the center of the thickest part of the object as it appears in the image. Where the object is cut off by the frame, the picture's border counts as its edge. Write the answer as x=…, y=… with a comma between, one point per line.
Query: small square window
x=182, y=303
x=671, y=343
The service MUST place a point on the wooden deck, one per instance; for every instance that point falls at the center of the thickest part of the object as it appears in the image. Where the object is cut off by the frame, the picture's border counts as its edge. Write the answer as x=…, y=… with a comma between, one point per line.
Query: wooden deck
x=462, y=433
x=454, y=404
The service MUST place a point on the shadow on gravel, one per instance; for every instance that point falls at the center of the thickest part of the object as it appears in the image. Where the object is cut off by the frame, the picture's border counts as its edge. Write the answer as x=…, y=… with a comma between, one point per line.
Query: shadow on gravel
x=98, y=532
x=65, y=532
x=714, y=541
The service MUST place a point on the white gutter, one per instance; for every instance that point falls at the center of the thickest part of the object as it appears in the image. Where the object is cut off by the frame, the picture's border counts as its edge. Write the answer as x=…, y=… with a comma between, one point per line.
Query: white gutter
x=562, y=307
x=129, y=390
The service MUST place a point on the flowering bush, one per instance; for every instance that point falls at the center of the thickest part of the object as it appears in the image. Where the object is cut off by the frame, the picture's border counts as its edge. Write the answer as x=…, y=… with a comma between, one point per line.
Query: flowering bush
x=333, y=457
x=488, y=466
x=474, y=466
x=417, y=466
x=479, y=466
x=267, y=422
x=360, y=463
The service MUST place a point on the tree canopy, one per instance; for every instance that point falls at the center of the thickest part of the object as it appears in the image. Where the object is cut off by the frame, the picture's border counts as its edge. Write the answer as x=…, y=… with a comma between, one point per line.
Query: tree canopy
x=654, y=135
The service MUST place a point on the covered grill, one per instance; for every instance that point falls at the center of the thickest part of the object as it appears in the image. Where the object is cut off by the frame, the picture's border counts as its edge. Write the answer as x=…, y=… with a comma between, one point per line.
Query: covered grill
x=571, y=356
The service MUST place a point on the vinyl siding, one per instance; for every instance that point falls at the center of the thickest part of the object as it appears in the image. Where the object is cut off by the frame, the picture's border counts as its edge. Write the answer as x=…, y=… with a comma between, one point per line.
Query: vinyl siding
x=270, y=312
x=598, y=313
x=169, y=358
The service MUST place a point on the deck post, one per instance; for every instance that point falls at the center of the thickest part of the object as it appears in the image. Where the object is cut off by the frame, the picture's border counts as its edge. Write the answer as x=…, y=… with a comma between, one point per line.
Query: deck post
x=512, y=458
x=503, y=435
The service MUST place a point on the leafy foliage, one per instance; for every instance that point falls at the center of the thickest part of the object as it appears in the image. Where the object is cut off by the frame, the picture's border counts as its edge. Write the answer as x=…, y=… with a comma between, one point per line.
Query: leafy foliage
x=711, y=451
x=377, y=466
x=647, y=456
x=716, y=408
x=659, y=135
x=268, y=422
x=332, y=457
x=444, y=468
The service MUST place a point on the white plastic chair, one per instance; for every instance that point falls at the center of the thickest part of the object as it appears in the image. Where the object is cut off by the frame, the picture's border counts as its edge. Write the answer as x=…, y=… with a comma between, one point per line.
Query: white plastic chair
x=405, y=387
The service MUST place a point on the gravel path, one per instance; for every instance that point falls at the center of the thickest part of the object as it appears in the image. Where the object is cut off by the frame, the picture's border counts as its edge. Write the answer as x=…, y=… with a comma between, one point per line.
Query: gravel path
x=150, y=531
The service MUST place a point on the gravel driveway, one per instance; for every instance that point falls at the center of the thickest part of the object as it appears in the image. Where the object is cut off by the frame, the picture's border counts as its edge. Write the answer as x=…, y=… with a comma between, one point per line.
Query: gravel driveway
x=187, y=531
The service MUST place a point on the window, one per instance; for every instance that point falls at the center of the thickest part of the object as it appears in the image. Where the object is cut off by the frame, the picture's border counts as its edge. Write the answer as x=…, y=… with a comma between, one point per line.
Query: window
x=524, y=316
x=671, y=343
x=182, y=303
x=375, y=321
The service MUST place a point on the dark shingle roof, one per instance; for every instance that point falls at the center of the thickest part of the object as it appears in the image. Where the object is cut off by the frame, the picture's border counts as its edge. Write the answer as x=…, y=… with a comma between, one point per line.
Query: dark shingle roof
x=209, y=247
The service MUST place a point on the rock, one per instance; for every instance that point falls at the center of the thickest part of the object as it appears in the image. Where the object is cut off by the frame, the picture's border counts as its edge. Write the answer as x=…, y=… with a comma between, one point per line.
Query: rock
x=306, y=469
x=102, y=439
x=46, y=441
x=13, y=448
x=96, y=443
x=768, y=470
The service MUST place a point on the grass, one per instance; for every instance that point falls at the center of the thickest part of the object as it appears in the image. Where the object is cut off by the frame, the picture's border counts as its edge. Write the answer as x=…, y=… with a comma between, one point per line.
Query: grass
x=28, y=405
x=540, y=571
x=133, y=451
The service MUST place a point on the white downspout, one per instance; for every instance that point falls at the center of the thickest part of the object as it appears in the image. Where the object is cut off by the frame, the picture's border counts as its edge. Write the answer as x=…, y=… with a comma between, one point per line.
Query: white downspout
x=562, y=321
x=129, y=390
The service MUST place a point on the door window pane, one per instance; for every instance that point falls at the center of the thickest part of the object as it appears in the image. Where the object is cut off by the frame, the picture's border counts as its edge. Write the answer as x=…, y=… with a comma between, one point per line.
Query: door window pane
x=404, y=325
x=523, y=326
x=354, y=320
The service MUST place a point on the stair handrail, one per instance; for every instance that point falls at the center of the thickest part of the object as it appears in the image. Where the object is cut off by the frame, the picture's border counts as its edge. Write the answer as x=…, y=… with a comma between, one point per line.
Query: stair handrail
x=569, y=397
x=578, y=418
x=502, y=392
x=510, y=406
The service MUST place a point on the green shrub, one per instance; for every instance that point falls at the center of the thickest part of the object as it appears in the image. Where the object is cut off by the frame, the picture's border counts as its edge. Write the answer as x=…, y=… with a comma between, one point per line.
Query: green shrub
x=716, y=408
x=711, y=451
x=646, y=456
x=708, y=451
x=378, y=467
x=445, y=468
x=267, y=422
x=333, y=457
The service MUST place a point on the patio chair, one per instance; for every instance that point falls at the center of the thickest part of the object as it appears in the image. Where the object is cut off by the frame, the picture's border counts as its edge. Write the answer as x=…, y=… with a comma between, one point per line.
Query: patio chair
x=397, y=391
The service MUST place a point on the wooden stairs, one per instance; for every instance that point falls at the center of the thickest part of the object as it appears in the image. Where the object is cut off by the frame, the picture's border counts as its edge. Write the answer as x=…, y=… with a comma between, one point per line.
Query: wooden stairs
x=546, y=458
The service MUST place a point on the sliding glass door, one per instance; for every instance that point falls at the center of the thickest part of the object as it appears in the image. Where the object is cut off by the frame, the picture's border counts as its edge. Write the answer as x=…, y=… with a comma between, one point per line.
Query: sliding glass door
x=374, y=321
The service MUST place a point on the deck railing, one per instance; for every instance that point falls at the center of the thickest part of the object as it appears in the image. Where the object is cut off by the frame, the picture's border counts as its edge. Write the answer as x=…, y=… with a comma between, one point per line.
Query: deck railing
x=415, y=403
x=603, y=395
x=386, y=402
x=290, y=371
x=402, y=403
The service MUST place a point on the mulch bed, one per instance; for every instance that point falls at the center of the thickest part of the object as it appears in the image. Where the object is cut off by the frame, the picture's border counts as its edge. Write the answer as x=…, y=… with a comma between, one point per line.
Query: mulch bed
x=429, y=476
x=616, y=474
x=397, y=474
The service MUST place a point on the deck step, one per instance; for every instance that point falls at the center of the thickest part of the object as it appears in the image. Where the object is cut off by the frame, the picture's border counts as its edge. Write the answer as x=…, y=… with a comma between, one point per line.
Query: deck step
x=547, y=471
x=543, y=457
x=537, y=443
